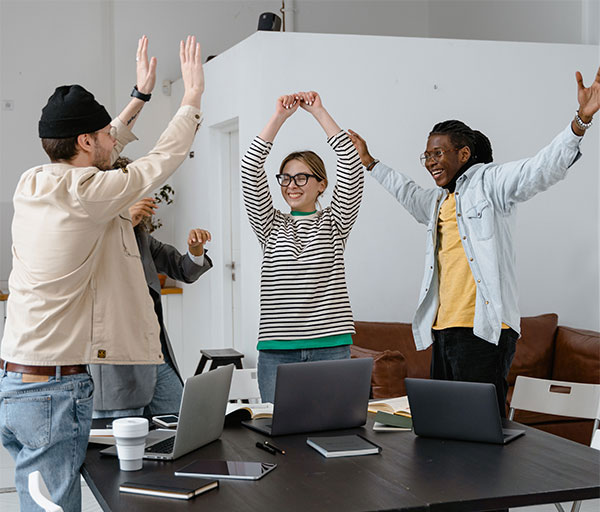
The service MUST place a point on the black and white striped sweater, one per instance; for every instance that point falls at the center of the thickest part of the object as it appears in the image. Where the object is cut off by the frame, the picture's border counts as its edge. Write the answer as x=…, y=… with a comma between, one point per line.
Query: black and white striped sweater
x=303, y=284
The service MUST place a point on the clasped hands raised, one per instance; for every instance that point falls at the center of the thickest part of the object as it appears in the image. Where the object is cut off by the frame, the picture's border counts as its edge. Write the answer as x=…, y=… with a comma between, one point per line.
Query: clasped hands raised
x=289, y=103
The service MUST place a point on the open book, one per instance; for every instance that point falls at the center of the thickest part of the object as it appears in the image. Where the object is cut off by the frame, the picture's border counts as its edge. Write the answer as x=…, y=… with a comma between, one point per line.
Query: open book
x=244, y=412
x=398, y=405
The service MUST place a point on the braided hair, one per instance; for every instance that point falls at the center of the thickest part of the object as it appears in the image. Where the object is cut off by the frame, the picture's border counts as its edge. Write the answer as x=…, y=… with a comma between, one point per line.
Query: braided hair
x=462, y=135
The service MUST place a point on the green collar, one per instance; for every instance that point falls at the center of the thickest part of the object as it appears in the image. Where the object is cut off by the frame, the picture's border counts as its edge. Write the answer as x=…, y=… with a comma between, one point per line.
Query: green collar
x=301, y=214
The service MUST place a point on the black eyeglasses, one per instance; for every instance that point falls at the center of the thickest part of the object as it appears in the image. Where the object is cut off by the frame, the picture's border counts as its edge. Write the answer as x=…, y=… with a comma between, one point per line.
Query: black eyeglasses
x=300, y=179
x=435, y=155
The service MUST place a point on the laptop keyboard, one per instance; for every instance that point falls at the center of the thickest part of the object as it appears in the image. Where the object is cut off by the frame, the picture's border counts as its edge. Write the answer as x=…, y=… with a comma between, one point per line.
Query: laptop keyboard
x=165, y=446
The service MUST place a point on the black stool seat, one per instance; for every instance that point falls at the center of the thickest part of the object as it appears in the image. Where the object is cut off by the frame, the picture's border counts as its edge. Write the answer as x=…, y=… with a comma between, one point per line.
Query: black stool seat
x=219, y=357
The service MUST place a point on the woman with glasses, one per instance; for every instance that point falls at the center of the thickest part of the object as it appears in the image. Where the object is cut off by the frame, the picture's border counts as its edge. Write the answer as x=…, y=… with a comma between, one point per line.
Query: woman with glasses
x=468, y=305
x=305, y=310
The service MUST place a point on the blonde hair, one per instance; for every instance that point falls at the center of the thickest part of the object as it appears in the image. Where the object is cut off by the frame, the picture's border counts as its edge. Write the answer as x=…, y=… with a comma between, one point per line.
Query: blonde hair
x=312, y=161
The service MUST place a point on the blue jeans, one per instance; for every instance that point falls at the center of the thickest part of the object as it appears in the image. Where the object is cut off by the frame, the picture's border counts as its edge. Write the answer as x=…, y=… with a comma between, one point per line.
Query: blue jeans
x=45, y=426
x=269, y=360
x=460, y=355
x=166, y=398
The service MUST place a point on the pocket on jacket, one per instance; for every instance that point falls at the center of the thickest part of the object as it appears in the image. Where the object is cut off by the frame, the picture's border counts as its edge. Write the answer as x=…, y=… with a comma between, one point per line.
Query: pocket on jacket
x=34, y=432
x=480, y=220
x=128, y=241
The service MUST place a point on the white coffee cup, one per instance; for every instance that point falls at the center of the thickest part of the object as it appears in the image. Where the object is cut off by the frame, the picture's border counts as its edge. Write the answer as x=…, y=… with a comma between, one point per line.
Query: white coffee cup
x=130, y=435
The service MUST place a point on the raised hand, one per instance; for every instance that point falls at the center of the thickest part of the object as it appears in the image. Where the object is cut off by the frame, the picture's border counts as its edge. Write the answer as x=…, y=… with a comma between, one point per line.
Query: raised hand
x=588, y=97
x=196, y=240
x=143, y=208
x=192, y=72
x=145, y=71
x=286, y=105
x=361, y=146
x=310, y=101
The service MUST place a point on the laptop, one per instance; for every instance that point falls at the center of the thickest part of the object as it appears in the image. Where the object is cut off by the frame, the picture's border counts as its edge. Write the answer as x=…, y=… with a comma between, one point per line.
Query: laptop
x=201, y=417
x=465, y=411
x=318, y=395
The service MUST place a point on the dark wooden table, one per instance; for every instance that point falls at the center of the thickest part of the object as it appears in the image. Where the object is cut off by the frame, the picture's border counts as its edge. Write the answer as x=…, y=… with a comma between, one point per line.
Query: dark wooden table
x=410, y=474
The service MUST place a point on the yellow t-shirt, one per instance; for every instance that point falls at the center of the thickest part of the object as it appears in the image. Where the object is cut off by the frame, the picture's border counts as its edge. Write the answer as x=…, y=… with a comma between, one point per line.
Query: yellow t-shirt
x=457, y=289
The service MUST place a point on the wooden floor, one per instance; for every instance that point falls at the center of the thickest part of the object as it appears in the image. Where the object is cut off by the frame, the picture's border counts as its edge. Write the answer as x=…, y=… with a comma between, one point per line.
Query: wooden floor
x=10, y=503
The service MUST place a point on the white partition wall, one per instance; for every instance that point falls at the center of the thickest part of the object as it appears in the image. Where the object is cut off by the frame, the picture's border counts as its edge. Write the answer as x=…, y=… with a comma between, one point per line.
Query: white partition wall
x=391, y=91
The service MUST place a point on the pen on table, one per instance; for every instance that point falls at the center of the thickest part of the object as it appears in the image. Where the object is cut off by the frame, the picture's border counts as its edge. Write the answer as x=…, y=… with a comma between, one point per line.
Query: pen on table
x=270, y=445
x=265, y=448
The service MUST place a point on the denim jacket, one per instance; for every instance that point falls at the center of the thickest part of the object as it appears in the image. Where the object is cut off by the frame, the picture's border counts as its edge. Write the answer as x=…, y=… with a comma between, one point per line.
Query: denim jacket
x=486, y=197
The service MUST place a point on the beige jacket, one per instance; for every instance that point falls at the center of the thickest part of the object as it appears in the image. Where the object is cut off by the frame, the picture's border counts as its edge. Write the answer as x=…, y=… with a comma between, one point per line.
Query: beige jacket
x=77, y=289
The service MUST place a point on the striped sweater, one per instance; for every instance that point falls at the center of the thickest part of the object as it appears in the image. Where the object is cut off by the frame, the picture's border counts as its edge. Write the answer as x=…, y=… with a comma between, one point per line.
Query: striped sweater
x=303, y=284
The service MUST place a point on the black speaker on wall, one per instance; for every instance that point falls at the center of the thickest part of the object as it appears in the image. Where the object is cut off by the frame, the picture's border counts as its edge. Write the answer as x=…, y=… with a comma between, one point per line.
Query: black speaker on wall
x=269, y=21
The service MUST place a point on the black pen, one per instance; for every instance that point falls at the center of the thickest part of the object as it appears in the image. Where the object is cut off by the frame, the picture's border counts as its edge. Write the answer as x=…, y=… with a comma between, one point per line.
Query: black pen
x=274, y=447
x=265, y=448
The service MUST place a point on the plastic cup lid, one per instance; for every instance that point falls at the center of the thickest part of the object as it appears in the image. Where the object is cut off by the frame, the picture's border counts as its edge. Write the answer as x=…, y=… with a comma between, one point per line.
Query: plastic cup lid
x=130, y=427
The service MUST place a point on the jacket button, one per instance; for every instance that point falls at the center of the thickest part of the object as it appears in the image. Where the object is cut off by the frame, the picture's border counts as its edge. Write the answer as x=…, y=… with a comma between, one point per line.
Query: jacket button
x=458, y=215
x=487, y=302
x=479, y=280
x=197, y=116
x=470, y=259
x=464, y=237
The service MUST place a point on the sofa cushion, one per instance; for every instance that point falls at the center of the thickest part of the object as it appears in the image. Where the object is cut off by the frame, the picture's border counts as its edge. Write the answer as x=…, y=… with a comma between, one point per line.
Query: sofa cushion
x=380, y=336
x=577, y=356
x=535, y=348
x=389, y=370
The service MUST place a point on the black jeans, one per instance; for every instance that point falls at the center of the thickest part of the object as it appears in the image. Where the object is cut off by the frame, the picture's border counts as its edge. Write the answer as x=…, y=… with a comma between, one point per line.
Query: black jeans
x=460, y=355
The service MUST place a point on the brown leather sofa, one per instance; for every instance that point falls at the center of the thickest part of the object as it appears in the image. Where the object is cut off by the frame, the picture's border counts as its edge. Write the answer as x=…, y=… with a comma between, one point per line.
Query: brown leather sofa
x=545, y=350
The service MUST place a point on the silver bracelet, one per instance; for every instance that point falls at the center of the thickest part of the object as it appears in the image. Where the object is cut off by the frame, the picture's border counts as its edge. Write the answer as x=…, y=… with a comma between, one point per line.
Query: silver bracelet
x=580, y=123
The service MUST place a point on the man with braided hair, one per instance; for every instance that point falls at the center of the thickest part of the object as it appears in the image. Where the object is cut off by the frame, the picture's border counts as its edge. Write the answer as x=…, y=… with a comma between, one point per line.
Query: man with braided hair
x=468, y=306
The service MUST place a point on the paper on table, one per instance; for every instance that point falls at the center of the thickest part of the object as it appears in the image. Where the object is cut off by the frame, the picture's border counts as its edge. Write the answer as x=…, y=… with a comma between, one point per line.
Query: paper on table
x=102, y=436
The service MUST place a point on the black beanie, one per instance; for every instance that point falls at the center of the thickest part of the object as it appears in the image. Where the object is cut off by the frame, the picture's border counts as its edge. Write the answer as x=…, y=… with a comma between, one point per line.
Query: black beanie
x=71, y=111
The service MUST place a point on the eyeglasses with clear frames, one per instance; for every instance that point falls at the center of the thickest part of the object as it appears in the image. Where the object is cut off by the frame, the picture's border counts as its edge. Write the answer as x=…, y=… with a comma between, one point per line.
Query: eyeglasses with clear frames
x=435, y=155
x=300, y=179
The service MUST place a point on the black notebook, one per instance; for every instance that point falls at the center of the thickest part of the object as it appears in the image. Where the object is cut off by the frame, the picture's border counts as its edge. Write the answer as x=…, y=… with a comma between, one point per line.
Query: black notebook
x=342, y=446
x=168, y=486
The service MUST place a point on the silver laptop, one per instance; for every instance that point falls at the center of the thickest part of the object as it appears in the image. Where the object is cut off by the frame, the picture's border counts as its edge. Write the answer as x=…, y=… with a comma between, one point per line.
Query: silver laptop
x=201, y=417
x=318, y=395
x=465, y=411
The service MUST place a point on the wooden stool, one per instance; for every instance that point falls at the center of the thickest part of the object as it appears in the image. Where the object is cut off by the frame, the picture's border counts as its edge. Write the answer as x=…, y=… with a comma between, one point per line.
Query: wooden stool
x=219, y=357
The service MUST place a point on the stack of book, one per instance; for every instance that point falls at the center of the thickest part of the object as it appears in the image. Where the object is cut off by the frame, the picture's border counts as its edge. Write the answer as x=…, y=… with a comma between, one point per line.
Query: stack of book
x=392, y=414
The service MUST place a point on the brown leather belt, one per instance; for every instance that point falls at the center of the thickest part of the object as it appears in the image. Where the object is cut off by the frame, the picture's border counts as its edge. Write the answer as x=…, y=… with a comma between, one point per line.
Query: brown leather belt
x=44, y=370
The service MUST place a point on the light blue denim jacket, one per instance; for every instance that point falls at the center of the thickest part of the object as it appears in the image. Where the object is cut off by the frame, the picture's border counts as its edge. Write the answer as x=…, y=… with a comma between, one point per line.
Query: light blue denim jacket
x=486, y=197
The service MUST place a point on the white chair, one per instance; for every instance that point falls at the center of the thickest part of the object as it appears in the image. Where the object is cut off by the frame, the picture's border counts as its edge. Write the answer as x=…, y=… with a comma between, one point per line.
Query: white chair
x=40, y=494
x=244, y=386
x=596, y=440
x=573, y=399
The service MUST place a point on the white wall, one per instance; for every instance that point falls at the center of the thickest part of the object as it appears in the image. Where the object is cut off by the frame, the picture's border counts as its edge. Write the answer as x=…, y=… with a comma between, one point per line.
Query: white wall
x=48, y=43
x=521, y=97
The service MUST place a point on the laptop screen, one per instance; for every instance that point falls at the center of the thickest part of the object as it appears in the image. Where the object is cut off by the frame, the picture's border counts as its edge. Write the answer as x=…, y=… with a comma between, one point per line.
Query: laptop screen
x=321, y=395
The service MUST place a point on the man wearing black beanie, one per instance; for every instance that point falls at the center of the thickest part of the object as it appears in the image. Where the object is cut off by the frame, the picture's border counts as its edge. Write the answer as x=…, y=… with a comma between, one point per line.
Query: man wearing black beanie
x=77, y=289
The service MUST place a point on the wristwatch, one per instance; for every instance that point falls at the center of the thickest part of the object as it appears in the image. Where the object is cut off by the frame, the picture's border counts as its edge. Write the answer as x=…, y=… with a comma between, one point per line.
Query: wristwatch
x=140, y=95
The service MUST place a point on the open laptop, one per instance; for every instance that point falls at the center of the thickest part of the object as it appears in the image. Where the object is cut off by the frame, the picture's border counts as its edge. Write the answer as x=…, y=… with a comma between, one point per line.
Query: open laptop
x=466, y=411
x=201, y=417
x=319, y=395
